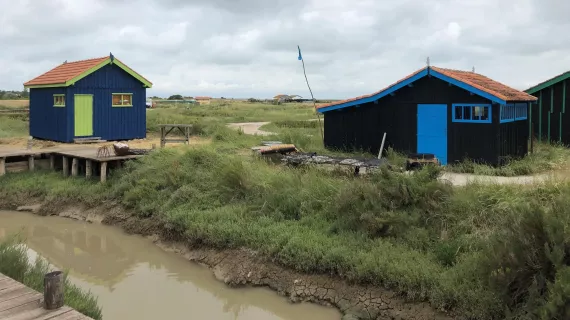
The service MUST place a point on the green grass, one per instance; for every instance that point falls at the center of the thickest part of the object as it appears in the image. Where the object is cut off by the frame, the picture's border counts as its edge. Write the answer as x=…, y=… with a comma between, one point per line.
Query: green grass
x=479, y=250
x=546, y=157
x=13, y=126
x=226, y=112
x=15, y=264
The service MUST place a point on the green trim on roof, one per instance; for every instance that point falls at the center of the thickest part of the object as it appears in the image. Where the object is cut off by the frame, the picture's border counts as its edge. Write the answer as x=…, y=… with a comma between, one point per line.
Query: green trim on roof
x=105, y=62
x=132, y=73
x=548, y=83
x=88, y=72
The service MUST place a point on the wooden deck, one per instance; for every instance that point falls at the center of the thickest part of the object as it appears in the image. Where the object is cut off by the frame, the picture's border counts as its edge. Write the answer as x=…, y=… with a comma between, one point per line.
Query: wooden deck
x=80, y=159
x=18, y=302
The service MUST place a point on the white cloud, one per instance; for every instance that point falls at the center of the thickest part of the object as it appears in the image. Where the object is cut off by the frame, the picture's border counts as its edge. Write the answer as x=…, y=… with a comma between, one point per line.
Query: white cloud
x=248, y=48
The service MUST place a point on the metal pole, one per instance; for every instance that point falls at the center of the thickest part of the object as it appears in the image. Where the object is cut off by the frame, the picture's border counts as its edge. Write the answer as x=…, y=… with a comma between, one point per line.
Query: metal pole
x=382, y=146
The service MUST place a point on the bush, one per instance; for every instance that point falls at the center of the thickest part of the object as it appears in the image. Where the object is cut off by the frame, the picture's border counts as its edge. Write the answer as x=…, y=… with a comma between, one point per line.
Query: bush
x=528, y=260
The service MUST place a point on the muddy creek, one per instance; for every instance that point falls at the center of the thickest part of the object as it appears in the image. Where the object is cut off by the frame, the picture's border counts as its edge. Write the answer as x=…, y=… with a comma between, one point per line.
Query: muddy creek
x=134, y=279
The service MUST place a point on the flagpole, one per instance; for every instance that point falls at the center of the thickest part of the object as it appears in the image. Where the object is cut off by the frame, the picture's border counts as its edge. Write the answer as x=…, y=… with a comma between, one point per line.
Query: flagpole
x=312, y=97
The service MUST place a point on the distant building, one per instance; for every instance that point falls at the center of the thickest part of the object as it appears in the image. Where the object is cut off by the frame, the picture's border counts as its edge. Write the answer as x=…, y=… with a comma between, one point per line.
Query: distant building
x=203, y=100
x=95, y=98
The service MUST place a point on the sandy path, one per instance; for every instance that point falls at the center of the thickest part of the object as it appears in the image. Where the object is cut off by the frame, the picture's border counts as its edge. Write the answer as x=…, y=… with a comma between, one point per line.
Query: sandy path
x=251, y=127
x=462, y=179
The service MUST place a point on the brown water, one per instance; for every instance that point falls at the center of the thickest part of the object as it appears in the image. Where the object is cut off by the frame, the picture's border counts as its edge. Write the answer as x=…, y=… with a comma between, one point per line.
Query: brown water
x=134, y=279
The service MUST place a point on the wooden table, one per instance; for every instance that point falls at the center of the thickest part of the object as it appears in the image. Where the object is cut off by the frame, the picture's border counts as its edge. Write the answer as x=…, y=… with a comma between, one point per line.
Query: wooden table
x=166, y=129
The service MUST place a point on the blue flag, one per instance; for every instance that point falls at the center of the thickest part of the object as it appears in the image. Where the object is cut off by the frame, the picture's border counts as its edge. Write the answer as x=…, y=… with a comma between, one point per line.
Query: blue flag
x=300, y=57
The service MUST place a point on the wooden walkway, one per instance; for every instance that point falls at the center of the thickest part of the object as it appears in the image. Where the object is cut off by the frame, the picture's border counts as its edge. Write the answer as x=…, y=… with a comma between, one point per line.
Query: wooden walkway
x=18, y=302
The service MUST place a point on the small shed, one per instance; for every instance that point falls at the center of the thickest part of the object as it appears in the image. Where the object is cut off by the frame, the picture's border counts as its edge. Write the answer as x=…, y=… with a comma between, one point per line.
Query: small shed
x=453, y=114
x=549, y=119
x=94, y=99
x=203, y=100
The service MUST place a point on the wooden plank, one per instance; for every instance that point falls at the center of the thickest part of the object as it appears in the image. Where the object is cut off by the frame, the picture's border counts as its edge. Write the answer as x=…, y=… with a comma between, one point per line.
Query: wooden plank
x=2, y=166
x=31, y=163
x=18, y=302
x=14, y=292
x=22, y=309
x=51, y=162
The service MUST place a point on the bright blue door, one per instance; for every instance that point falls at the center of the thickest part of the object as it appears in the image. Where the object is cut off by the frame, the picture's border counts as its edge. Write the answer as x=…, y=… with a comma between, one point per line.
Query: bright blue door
x=432, y=130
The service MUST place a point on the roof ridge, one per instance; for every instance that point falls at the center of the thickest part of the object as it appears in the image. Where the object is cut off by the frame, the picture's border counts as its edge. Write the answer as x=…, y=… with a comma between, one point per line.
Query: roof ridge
x=90, y=59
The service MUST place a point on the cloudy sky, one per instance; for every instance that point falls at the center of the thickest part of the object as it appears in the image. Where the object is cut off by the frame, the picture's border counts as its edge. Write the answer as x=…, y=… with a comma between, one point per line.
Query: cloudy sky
x=248, y=48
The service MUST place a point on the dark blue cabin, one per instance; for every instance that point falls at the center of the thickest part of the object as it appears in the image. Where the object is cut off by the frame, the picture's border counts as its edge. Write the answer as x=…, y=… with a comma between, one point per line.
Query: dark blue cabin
x=549, y=119
x=99, y=98
x=456, y=115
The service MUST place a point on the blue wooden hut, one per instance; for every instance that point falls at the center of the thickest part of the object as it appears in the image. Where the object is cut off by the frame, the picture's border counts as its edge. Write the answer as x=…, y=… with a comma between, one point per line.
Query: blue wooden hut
x=94, y=99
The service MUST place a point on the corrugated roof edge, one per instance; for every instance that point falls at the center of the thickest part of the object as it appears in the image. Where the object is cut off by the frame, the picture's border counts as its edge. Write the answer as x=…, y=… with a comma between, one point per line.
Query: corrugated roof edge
x=548, y=83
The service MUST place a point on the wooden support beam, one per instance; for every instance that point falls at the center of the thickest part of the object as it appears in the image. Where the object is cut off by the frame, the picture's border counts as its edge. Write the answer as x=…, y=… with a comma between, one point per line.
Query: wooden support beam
x=65, y=166
x=2, y=166
x=53, y=290
x=31, y=163
x=51, y=162
x=103, y=171
x=74, y=166
x=88, y=169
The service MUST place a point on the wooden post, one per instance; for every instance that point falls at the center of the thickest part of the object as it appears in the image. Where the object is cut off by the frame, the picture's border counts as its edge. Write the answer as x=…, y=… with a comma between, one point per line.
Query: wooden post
x=103, y=171
x=65, y=166
x=51, y=162
x=2, y=166
x=74, y=166
x=88, y=169
x=31, y=163
x=162, y=142
x=382, y=146
x=532, y=138
x=188, y=135
x=53, y=290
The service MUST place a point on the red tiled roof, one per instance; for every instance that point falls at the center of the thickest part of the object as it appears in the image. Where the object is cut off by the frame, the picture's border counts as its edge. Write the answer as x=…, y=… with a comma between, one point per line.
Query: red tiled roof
x=485, y=84
x=473, y=79
x=65, y=72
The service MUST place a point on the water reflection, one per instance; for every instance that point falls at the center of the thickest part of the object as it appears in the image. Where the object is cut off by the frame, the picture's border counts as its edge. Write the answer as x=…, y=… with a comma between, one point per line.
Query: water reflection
x=135, y=279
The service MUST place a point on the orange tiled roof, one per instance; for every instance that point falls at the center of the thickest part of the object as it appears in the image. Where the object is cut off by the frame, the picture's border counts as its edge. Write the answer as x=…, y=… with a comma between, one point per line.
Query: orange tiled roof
x=65, y=72
x=485, y=84
x=473, y=79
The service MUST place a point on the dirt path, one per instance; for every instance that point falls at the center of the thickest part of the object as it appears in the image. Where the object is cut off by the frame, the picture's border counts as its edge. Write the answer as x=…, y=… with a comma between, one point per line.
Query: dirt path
x=462, y=179
x=251, y=128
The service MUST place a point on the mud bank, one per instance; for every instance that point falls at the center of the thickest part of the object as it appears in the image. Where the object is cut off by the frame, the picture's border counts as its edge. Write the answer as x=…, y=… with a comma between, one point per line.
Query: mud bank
x=242, y=267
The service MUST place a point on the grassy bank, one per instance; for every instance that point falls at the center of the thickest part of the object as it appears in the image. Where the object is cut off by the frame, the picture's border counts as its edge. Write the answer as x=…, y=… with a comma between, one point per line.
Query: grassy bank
x=484, y=252
x=15, y=264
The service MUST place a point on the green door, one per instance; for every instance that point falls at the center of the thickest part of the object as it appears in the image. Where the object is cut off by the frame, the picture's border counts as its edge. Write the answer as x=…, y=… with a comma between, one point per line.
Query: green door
x=83, y=115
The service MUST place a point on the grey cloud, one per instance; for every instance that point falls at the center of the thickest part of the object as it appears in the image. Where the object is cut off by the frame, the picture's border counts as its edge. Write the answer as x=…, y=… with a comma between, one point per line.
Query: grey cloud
x=248, y=47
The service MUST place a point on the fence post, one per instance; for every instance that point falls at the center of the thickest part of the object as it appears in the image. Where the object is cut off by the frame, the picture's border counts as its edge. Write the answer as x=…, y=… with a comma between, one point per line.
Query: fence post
x=53, y=290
